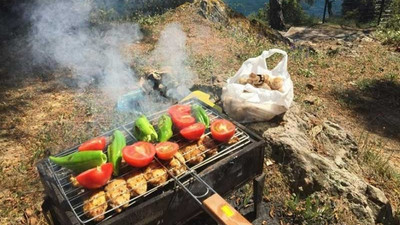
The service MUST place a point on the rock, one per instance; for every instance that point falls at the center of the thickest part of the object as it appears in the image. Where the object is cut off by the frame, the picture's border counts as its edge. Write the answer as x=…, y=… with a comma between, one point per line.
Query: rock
x=214, y=10
x=340, y=42
x=310, y=86
x=367, y=39
x=319, y=156
x=310, y=99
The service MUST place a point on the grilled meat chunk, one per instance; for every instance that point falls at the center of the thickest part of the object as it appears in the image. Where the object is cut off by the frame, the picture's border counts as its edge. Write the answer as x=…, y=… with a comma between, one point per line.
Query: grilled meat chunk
x=210, y=146
x=233, y=140
x=176, y=165
x=136, y=183
x=96, y=205
x=155, y=174
x=193, y=153
x=117, y=193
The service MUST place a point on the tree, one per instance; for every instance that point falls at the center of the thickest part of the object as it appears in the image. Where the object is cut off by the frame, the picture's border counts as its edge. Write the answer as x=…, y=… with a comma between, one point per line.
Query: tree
x=276, y=20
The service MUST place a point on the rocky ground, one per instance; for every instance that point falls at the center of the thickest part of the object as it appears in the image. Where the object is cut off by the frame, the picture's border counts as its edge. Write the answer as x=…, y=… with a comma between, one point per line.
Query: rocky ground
x=332, y=158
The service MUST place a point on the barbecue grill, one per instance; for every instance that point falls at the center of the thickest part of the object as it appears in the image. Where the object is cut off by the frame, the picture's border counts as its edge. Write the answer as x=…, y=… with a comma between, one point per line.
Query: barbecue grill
x=173, y=202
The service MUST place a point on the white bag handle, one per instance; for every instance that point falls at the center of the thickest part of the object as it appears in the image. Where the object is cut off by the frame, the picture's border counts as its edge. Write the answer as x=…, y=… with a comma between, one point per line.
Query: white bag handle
x=281, y=66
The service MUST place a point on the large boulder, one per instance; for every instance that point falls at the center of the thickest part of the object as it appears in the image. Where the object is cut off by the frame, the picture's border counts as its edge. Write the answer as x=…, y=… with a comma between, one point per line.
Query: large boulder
x=320, y=156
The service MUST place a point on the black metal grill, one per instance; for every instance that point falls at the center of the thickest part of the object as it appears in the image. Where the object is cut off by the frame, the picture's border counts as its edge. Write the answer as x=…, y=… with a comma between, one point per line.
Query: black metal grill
x=69, y=199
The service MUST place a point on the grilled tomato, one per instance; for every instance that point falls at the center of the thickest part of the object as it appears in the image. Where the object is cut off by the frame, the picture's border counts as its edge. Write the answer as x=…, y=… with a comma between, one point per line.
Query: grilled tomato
x=140, y=154
x=222, y=130
x=166, y=150
x=193, y=132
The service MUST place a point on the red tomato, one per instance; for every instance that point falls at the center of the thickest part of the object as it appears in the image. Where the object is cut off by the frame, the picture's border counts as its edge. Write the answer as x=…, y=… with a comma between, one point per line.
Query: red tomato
x=139, y=154
x=222, y=130
x=96, y=177
x=182, y=121
x=193, y=132
x=179, y=109
x=93, y=144
x=166, y=150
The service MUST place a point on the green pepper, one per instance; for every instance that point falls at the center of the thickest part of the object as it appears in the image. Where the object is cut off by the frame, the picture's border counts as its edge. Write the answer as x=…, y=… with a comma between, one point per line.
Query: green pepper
x=80, y=161
x=114, y=150
x=144, y=131
x=201, y=115
x=164, y=128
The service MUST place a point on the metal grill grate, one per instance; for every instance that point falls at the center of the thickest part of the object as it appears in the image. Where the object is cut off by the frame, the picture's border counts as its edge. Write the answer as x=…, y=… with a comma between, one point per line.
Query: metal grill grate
x=75, y=196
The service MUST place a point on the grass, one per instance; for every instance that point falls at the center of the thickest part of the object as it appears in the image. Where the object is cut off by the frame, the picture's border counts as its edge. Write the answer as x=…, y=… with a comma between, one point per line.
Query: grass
x=204, y=66
x=306, y=72
x=310, y=210
x=377, y=166
x=372, y=154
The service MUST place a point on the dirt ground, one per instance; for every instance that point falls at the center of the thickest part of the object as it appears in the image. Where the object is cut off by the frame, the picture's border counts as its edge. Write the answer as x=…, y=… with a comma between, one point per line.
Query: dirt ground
x=354, y=83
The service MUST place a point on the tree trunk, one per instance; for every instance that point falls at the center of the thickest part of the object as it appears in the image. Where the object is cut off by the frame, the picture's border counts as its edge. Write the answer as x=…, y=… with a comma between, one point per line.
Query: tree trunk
x=276, y=15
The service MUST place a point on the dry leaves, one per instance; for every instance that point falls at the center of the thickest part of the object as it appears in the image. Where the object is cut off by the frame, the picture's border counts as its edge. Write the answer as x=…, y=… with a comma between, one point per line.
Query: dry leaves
x=272, y=212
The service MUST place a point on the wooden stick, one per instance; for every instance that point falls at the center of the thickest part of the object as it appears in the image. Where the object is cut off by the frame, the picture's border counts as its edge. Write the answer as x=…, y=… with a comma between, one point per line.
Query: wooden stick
x=223, y=212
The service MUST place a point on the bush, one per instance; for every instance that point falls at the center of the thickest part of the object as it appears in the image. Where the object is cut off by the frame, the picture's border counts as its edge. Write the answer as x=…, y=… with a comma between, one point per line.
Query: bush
x=389, y=32
x=293, y=14
x=361, y=10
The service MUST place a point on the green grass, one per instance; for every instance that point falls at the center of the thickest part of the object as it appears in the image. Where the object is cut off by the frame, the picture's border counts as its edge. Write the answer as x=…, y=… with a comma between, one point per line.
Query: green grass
x=309, y=210
x=306, y=72
x=371, y=154
x=364, y=84
x=204, y=66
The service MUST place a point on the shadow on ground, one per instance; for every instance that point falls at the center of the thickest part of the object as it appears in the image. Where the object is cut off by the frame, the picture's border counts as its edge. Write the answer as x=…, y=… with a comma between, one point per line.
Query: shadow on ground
x=377, y=102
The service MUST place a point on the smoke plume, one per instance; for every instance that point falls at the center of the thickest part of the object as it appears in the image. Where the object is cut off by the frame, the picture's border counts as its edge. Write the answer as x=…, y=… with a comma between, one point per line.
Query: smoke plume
x=62, y=34
x=171, y=53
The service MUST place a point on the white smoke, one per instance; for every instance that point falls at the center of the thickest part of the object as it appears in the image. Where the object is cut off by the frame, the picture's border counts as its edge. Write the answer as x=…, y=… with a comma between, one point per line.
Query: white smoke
x=62, y=33
x=171, y=52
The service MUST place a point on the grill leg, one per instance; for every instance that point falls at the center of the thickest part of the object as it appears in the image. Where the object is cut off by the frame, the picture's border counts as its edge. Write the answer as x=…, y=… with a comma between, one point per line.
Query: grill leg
x=258, y=187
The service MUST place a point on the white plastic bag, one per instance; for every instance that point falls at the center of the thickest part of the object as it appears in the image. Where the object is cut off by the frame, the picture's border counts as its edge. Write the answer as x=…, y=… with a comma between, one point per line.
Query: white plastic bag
x=246, y=103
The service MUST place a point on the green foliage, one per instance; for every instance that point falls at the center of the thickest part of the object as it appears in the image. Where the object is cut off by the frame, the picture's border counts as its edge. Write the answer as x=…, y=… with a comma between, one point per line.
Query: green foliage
x=389, y=32
x=309, y=211
x=293, y=13
x=361, y=10
x=306, y=72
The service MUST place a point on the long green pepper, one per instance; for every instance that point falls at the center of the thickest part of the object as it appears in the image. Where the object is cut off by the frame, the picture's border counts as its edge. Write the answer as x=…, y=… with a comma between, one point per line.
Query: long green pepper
x=200, y=115
x=114, y=150
x=164, y=128
x=144, y=131
x=80, y=161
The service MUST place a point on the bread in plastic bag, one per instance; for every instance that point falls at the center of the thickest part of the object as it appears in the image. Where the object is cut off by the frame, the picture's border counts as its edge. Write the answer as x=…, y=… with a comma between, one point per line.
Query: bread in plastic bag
x=247, y=103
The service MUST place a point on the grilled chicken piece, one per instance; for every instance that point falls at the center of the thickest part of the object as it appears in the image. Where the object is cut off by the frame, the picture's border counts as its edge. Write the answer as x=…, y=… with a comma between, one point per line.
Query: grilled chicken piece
x=210, y=146
x=96, y=205
x=193, y=153
x=233, y=140
x=117, y=193
x=176, y=165
x=155, y=174
x=136, y=183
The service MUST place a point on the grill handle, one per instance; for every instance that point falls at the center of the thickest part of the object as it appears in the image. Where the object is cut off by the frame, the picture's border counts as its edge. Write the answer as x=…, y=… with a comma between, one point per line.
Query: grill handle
x=223, y=212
